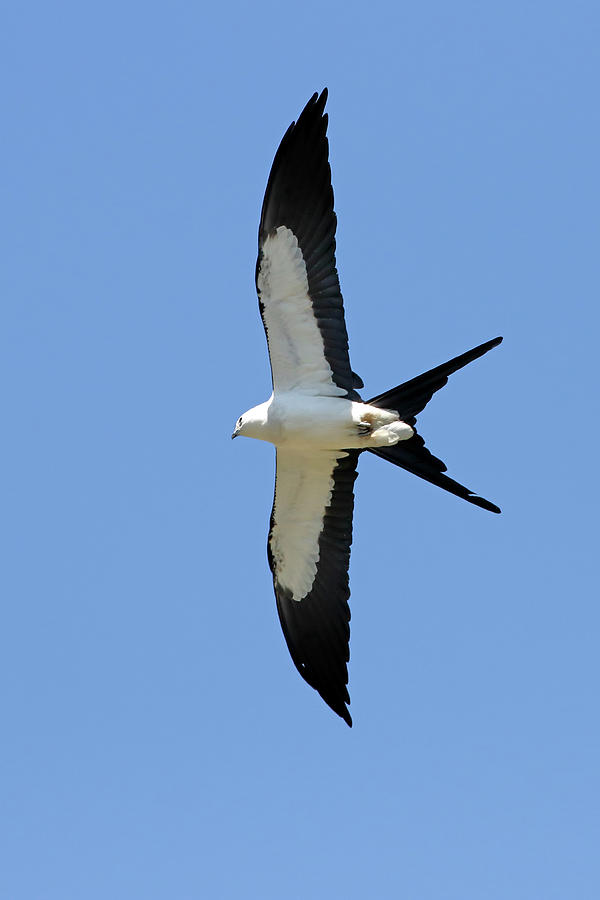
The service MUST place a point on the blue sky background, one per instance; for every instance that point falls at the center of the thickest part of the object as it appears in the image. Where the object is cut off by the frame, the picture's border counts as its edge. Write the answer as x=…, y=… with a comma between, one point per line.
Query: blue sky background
x=156, y=741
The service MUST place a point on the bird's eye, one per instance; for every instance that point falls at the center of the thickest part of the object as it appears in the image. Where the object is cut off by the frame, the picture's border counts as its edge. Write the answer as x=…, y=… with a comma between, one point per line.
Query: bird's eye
x=239, y=422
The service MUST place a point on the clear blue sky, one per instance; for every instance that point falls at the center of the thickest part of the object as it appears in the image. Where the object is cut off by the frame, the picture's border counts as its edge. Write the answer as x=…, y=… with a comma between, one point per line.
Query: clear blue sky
x=156, y=741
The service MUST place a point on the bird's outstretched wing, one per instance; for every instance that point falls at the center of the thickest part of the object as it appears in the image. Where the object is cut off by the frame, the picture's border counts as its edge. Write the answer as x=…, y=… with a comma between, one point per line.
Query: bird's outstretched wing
x=296, y=278
x=309, y=553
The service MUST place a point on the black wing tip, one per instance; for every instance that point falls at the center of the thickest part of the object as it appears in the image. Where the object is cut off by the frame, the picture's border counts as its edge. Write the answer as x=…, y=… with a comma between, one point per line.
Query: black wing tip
x=341, y=710
x=314, y=107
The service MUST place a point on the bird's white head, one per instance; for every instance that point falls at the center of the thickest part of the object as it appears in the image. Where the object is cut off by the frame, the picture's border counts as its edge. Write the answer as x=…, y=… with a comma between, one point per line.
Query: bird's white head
x=239, y=427
x=253, y=423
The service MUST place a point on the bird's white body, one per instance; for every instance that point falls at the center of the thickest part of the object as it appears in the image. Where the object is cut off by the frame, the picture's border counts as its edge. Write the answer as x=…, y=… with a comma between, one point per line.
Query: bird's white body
x=294, y=420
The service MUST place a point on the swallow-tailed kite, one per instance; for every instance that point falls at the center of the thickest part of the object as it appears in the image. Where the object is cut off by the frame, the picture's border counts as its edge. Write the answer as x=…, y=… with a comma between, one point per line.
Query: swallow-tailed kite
x=315, y=417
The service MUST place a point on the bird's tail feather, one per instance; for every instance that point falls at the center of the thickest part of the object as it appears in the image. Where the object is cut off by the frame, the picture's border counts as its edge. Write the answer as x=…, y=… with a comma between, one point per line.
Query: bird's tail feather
x=411, y=397
x=408, y=400
x=414, y=456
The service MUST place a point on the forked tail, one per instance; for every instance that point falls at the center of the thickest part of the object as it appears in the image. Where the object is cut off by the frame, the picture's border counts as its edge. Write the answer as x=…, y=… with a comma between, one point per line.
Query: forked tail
x=411, y=398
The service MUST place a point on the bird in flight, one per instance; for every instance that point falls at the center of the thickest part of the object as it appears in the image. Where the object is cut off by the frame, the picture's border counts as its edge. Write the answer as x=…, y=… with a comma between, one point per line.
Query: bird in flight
x=315, y=416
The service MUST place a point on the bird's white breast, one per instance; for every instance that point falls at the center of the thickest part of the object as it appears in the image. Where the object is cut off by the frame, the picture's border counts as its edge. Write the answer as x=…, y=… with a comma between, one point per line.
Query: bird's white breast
x=296, y=420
